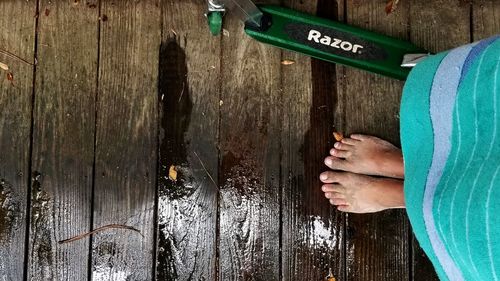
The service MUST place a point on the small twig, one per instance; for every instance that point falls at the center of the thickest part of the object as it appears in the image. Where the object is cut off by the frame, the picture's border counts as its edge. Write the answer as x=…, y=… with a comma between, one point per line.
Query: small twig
x=9, y=54
x=99, y=229
x=206, y=171
x=182, y=92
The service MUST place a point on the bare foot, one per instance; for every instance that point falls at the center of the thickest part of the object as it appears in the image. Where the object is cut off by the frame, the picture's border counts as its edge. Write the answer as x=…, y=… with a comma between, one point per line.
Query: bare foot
x=366, y=155
x=356, y=193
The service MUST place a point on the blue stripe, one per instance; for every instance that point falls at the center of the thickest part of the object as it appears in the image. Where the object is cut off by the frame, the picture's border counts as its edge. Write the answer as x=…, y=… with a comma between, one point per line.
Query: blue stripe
x=442, y=101
x=475, y=52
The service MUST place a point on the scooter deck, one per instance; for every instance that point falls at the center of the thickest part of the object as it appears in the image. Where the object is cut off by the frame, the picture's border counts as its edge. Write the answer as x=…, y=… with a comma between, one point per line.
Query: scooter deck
x=333, y=41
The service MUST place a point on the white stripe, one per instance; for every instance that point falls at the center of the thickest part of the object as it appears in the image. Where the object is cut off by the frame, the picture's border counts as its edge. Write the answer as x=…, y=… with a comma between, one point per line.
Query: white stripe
x=488, y=240
x=448, y=180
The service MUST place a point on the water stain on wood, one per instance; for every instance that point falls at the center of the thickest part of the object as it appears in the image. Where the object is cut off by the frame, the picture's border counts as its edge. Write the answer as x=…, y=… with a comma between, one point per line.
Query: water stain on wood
x=320, y=226
x=175, y=114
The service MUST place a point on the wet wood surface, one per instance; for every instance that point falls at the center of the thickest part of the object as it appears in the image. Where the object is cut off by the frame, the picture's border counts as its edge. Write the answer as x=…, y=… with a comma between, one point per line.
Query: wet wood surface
x=210, y=147
x=189, y=98
x=369, y=104
x=17, y=35
x=249, y=175
x=126, y=140
x=63, y=140
x=313, y=232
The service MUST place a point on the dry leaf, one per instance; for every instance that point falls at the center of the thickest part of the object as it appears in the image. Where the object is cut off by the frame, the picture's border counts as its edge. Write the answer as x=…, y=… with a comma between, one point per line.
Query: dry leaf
x=391, y=6
x=172, y=173
x=4, y=66
x=287, y=62
x=338, y=136
x=10, y=76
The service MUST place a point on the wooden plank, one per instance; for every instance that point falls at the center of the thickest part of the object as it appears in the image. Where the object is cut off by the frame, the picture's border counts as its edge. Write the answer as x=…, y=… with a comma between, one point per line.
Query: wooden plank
x=250, y=158
x=485, y=19
x=377, y=244
x=189, y=72
x=312, y=243
x=63, y=140
x=443, y=30
x=17, y=35
x=125, y=165
x=437, y=26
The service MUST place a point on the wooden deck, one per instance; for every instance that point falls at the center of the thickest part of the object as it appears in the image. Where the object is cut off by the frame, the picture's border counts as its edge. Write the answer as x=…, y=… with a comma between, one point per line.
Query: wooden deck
x=123, y=90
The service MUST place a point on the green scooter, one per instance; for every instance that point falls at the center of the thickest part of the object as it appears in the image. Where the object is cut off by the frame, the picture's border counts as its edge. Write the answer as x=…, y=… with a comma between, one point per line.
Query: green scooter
x=320, y=38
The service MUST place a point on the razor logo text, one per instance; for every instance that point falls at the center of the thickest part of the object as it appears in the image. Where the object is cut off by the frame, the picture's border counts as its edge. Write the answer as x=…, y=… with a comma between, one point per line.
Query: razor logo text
x=317, y=37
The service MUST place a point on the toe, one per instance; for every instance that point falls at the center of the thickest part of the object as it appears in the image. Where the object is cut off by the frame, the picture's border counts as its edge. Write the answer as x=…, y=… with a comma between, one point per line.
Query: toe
x=341, y=146
x=335, y=163
x=337, y=201
x=332, y=187
x=331, y=177
x=359, y=137
x=343, y=208
x=349, y=141
x=329, y=195
x=340, y=153
x=334, y=195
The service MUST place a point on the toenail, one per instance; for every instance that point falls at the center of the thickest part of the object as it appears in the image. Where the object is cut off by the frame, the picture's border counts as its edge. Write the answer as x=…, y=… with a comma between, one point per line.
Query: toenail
x=328, y=161
x=332, y=151
x=337, y=145
x=323, y=177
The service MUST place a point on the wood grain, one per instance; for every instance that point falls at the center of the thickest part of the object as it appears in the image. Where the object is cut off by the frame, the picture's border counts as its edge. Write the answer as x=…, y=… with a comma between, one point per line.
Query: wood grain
x=441, y=31
x=17, y=35
x=485, y=19
x=312, y=236
x=126, y=142
x=189, y=85
x=436, y=31
x=377, y=244
x=250, y=158
x=63, y=140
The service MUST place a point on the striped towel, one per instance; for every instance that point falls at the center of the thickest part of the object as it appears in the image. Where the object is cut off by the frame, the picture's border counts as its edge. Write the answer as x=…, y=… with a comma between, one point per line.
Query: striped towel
x=450, y=135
